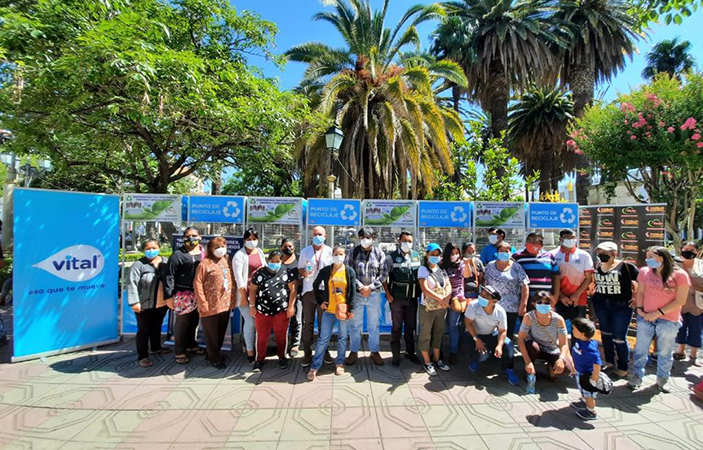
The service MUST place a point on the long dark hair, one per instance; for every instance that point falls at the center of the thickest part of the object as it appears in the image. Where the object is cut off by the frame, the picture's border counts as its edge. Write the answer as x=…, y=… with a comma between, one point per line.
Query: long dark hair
x=447, y=263
x=668, y=266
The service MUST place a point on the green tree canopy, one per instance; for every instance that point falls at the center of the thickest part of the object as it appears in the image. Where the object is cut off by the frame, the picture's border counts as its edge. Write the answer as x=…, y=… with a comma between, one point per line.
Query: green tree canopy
x=145, y=91
x=671, y=56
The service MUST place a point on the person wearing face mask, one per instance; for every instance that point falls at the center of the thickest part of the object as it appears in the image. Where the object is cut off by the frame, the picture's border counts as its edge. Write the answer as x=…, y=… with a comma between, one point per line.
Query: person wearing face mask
x=178, y=289
x=272, y=300
x=543, y=337
x=371, y=268
x=662, y=289
x=402, y=292
x=436, y=295
x=334, y=292
x=487, y=323
x=215, y=294
x=490, y=252
x=541, y=268
x=145, y=294
x=244, y=264
x=576, y=275
x=475, y=267
x=289, y=262
x=613, y=302
x=691, y=329
x=455, y=267
x=510, y=279
x=313, y=258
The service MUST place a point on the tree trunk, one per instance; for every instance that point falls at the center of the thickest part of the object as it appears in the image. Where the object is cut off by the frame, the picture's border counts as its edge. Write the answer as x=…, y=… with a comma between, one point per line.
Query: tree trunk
x=456, y=97
x=545, y=172
x=498, y=93
x=216, y=188
x=582, y=80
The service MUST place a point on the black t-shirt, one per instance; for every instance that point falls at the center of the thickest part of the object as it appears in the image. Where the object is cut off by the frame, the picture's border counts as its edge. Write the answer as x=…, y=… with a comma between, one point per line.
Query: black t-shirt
x=272, y=293
x=292, y=268
x=617, y=283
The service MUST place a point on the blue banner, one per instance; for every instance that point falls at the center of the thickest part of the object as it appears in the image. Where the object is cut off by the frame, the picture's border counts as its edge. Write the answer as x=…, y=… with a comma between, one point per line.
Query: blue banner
x=553, y=215
x=65, y=276
x=444, y=214
x=334, y=212
x=216, y=209
x=234, y=243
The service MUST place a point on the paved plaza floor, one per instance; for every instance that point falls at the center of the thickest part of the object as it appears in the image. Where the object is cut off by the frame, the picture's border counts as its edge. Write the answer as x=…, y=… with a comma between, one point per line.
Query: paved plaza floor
x=102, y=400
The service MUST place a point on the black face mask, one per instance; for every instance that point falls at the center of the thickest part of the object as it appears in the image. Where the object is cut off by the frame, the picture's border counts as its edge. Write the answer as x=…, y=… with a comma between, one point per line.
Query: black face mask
x=192, y=240
x=604, y=257
x=287, y=251
x=688, y=254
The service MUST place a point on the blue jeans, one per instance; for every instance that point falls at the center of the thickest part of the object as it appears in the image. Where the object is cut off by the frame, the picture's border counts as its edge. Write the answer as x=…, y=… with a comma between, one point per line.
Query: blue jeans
x=249, y=328
x=490, y=341
x=690, y=331
x=666, y=331
x=455, y=325
x=614, y=320
x=328, y=321
x=372, y=305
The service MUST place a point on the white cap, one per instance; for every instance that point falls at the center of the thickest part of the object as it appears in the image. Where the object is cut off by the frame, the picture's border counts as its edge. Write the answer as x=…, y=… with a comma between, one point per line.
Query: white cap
x=608, y=246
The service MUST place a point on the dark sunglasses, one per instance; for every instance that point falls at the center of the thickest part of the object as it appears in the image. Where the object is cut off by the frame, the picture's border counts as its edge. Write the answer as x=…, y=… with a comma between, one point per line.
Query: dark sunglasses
x=543, y=302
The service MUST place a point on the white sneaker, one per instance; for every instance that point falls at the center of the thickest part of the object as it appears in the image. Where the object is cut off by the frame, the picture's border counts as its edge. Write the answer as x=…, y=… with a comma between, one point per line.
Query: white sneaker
x=634, y=383
x=442, y=366
x=429, y=368
x=663, y=384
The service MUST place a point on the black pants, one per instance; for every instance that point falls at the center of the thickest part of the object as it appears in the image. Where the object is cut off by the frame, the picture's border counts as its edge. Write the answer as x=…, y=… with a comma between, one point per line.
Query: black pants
x=507, y=361
x=215, y=328
x=296, y=324
x=403, y=313
x=310, y=308
x=184, y=331
x=512, y=321
x=149, y=323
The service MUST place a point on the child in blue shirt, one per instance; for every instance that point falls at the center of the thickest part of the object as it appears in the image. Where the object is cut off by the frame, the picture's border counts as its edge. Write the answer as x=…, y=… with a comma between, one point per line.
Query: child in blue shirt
x=586, y=360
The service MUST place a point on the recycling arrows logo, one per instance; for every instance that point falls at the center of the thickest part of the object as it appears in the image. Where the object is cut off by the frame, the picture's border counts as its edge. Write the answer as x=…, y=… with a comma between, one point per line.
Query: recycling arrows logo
x=348, y=213
x=567, y=216
x=459, y=214
x=231, y=210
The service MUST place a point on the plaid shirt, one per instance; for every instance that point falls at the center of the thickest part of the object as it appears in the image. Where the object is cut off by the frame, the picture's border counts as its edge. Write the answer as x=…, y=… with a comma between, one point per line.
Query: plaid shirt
x=371, y=267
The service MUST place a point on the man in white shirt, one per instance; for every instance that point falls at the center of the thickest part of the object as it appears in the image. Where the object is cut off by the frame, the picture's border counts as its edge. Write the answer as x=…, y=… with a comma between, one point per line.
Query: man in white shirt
x=487, y=323
x=576, y=275
x=312, y=259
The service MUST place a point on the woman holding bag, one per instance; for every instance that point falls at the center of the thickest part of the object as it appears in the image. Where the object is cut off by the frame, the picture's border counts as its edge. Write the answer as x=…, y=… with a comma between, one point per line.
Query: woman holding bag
x=336, y=298
x=178, y=289
x=457, y=269
x=436, y=295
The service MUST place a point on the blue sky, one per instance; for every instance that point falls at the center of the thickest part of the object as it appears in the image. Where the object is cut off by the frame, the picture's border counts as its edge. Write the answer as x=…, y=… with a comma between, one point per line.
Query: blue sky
x=295, y=24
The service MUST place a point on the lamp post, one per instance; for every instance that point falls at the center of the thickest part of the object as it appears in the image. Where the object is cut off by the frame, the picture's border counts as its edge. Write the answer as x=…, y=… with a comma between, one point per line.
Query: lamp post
x=333, y=140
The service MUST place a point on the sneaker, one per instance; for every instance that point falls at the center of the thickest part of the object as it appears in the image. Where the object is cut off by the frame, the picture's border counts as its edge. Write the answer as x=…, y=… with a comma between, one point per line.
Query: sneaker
x=395, y=362
x=339, y=370
x=586, y=414
x=219, y=365
x=440, y=364
x=328, y=358
x=376, y=358
x=429, y=368
x=307, y=360
x=473, y=366
x=531, y=381
x=311, y=374
x=634, y=383
x=512, y=378
x=453, y=359
x=663, y=384
x=250, y=359
x=351, y=359
x=579, y=405
x=283, y=363
x=258, y=366
x=413, y=358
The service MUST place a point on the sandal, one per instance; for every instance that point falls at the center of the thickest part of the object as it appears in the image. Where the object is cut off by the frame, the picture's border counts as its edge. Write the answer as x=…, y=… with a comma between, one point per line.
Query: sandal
x=161, y=351
x=145, y=363
x=679, y=356
x=196, y=350
x=182, y=359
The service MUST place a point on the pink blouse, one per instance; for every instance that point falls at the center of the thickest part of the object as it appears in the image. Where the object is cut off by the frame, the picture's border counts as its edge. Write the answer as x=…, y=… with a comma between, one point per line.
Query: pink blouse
x=657, y=295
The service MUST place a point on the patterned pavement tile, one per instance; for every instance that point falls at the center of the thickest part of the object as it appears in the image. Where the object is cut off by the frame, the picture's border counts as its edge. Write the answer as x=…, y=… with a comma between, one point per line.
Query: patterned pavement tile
x=656, y=437
x=513, y=441
x=259, y=425
x=356, y=444
x=560, y=440
x=309, y=424
x=445, y=420
x=349, y=423
x=607, y=439
x=155, y=426
x=459, y=443
x=391, y=394
x=491, y=418
x=401, y=422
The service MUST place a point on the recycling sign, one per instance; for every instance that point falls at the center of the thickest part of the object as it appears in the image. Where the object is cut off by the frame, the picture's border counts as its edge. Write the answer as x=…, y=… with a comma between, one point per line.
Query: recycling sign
x=334, y=212
x=216, y=209
x=553, y=215
x=444, y=214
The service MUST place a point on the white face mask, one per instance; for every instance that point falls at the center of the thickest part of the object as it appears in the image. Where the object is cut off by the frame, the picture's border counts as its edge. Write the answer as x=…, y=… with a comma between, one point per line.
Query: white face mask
x=338, y=259
x=493, y=238
x=406, y=246
x=220, y=252
x=455, y=258
x=251, y=244
x=366, y=242
x=569, y=243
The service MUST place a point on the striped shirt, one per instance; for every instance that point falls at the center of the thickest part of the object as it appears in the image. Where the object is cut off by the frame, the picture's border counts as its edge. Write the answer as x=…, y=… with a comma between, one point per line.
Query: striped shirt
x=547, y=337
x=540, y=269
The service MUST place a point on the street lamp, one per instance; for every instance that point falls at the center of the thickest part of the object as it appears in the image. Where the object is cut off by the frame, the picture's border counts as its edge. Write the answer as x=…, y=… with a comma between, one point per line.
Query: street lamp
x=333, y=140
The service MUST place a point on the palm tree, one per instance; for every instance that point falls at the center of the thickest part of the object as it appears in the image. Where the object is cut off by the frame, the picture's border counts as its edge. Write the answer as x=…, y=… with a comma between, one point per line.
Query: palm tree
x=397, y=135
x=509, y=46
x=670, y=56
x=537, y=129
x=451, y=40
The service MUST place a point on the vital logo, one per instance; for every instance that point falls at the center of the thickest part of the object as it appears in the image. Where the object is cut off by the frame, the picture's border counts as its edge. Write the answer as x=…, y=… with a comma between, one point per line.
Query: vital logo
x=74, y=263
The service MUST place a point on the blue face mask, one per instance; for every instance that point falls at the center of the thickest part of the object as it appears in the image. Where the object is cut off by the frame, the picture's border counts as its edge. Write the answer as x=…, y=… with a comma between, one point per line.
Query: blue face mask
x=318, y=240
x=543, y=309
x=274, y=266
x=503, y=256
x=653, y=263
x=152, y=253
x=433, y=259
x=483, y=302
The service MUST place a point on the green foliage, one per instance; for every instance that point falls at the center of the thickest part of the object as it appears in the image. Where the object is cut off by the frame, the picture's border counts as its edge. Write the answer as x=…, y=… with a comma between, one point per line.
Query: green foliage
x=666, y=11
x=388, y=219
x=268, y=174
x=146, y=92
x=670, y=56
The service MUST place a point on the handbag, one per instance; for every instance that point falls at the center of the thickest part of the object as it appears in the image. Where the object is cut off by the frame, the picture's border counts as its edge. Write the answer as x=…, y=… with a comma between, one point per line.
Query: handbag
x=342, y=311
x=184, y=302
x=432, y=304
x=604, y=385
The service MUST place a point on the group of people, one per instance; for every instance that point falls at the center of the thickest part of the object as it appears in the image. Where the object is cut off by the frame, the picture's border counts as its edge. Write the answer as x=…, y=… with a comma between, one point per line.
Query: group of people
x=541, y=295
